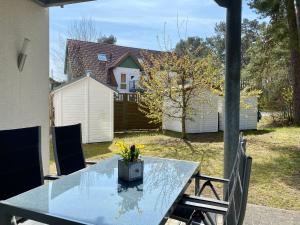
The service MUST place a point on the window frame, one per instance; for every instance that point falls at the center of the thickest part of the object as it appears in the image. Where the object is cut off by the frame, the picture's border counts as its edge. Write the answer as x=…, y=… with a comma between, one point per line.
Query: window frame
x=123, y=84
x=102, y=57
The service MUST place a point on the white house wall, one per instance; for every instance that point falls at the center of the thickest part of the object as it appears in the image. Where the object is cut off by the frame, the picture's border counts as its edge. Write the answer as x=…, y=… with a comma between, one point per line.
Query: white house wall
x=57, y=102
x=221, y=111
x=100, y=112
x=70, y=106
x=204, y=119
x=87, y=102
x=24, y=95
x=248, y=114
x=129, y=72
x=170, y=123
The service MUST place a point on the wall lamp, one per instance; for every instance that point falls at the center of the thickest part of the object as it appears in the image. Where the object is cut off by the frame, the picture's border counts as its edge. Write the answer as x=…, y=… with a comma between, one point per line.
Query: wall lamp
x=23, y=54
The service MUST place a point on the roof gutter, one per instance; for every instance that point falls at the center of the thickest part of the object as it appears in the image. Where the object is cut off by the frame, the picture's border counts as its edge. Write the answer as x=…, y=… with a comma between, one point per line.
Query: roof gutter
x=61, y=3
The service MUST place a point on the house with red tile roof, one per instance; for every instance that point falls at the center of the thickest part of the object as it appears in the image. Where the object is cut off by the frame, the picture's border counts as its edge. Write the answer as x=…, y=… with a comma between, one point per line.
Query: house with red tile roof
x=114, y=65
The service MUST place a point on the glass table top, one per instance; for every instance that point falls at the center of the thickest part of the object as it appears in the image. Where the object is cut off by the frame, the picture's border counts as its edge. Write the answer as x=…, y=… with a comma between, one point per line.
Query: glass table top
x=94, y=195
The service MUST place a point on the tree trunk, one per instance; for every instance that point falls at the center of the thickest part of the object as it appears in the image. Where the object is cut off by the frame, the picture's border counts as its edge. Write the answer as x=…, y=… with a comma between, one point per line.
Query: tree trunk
x=295, y=58
x=183, y=115
x=183, y=127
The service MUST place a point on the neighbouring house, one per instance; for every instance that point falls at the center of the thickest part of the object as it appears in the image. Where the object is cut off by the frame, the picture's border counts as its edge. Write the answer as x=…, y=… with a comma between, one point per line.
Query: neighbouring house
x=114, y=65
x=89, y=102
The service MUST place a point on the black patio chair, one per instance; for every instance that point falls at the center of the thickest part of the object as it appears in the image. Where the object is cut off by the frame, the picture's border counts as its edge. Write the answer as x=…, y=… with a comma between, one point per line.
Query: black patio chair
x=68, y=151
x=201, y=210
x=20, y=162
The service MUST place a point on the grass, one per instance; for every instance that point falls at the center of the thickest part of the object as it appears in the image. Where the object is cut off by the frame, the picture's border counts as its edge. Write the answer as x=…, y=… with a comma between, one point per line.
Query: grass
x=275, y=179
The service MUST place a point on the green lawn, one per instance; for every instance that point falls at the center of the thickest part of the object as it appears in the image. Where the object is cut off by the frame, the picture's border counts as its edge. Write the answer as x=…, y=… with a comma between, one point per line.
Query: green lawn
x=275, y=179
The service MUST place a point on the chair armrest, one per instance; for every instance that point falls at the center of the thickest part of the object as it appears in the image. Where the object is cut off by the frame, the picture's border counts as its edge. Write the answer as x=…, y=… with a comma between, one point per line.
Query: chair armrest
x=90, y=162
x=210, y=178
x=51, y=177
x=208, y=183
x=205, y=200
x=19, y=220
x=187, y=203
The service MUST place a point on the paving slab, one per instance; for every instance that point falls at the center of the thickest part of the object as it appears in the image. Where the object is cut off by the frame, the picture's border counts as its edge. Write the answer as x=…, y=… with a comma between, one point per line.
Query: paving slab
x=261, y=215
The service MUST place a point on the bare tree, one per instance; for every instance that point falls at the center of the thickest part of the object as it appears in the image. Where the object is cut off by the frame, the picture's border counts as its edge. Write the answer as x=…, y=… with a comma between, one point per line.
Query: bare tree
x=83, y=30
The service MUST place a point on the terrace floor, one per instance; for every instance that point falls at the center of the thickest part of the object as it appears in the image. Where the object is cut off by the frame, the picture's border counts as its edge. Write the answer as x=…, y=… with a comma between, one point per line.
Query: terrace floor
x=261, y=215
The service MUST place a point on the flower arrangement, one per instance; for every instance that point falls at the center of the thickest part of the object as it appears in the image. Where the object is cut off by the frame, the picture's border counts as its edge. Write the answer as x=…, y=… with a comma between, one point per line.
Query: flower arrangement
x=129, y=153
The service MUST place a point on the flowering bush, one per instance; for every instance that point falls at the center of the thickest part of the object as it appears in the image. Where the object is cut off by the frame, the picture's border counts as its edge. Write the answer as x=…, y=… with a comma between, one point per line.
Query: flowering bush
x=129, y=153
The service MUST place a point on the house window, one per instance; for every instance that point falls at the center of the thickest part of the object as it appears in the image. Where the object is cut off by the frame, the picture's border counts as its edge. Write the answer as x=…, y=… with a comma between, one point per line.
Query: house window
x=123, y=81
x=102, y=57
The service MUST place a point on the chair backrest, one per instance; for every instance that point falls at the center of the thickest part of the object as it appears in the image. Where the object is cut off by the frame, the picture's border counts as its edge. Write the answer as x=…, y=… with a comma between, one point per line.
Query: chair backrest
x=20, y=161
x=67, y=147
x=237, y=191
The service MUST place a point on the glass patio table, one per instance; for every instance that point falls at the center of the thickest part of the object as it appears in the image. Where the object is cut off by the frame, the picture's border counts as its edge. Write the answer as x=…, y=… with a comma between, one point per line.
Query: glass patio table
x=94, y=195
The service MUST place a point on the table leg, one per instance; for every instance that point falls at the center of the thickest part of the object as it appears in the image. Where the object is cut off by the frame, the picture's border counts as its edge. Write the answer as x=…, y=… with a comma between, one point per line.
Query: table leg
x=197, y=186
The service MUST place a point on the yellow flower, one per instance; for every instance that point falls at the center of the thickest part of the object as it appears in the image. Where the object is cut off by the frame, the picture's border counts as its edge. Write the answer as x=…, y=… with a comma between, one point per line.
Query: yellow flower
x=122, y=146
x=140, y=146
x=118, y=143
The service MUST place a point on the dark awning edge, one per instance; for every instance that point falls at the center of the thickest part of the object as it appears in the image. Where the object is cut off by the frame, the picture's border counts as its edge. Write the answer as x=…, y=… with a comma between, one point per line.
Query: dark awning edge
x=49, y=3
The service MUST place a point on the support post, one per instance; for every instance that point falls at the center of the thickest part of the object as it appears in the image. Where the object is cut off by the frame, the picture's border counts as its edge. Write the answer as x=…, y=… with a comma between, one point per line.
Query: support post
x=232, y=84
x=232, y=81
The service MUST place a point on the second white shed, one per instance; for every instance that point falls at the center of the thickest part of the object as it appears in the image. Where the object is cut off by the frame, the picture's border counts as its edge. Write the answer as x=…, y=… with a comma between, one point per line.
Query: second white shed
x=89, y=102
x=204, y=118
x=248, y=114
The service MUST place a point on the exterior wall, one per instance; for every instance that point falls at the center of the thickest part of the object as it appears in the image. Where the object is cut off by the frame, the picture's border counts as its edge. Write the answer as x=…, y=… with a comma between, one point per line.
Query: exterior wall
x=24, y=95
x=205, y=118
x=129, y=72
x=87, y=102
x=101, y=112
x=248, y=114
x=221, y=111
x=70, y=106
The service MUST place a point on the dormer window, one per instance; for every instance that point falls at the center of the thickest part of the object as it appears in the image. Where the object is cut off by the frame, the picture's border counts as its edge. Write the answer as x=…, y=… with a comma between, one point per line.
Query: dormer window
x=102, y=57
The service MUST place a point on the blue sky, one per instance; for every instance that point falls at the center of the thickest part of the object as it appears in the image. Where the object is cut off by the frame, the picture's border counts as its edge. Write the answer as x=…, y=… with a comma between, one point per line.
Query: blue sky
x=138, y=23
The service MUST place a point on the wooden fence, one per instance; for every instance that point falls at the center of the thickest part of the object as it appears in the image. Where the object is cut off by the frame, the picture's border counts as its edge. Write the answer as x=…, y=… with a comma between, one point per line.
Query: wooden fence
x=127, y=115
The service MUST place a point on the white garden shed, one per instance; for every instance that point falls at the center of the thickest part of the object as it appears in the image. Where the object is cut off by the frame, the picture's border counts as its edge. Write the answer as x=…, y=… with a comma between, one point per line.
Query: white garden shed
x=204, y=118
x=89, y=102
x=248, y=113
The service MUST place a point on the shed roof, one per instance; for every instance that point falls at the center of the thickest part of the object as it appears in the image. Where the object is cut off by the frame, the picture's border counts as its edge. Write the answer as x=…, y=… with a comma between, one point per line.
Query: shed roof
x=73, y=81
